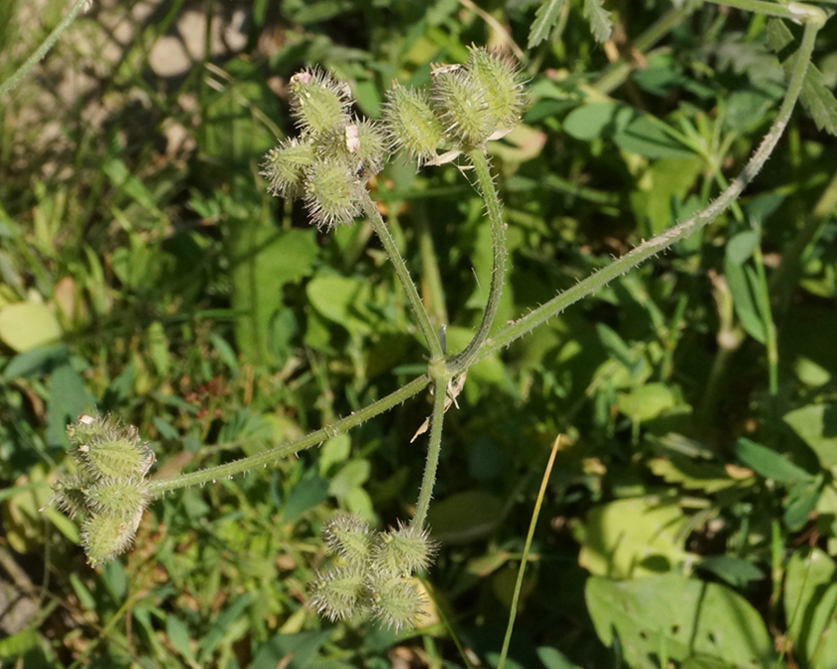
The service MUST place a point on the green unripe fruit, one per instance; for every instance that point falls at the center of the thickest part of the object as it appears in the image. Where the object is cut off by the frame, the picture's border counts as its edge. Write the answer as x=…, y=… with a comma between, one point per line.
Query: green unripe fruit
x=319, y=102
x=104, y=537
x=498, y=77
x=412, y=124
x=285, y=166
x=332, y=193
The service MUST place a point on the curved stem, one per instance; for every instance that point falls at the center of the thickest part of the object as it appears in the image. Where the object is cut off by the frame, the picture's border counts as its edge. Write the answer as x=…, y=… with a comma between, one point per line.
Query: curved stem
x=663, y=241
x=485, y=184
x=159, y=487
x=428, y=480
x=42, y=50
x=380, y=228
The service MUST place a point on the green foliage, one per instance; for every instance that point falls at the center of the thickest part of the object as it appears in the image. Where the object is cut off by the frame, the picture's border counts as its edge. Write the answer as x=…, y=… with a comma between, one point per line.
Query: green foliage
x=148, y=272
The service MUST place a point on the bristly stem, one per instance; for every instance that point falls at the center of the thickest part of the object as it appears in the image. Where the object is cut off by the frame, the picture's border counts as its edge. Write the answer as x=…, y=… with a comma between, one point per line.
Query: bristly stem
x=10, y=83
x=815, y=20
x=269, y=457
x=380, y=228
x=434, y=448
x=485, y=184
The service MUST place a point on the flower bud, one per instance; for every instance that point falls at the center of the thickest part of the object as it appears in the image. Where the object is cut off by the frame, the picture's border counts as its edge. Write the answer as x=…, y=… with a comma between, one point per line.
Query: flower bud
x=319, y=102
x=332, y=193
x=285, y=167
x=411, y=123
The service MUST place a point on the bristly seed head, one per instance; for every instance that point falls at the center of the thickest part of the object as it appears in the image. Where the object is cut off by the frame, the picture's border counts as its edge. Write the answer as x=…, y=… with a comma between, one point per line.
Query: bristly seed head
x=319, y=102
x=109, y=487
x=411, y=123
x=332, y=193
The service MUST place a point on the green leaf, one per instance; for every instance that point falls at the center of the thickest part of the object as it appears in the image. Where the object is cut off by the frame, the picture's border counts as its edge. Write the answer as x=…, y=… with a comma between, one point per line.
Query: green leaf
x=769, y=463
x=600, y=24
x=646, y=402
x=645, y=136
x=346, y=301
x=545, y=18
x=68, y=399
x=743, y=300
x=741, y=246
x=815, y=96
x=681, y=617
x=293, y=651
x=24, y=326
x=597, y=120
x=17, y=645
x=816, y=425
x=38, y=360
x=633, y=537
x=735, y=571
x=553, y=658
x=465, y=516
x=810, y=600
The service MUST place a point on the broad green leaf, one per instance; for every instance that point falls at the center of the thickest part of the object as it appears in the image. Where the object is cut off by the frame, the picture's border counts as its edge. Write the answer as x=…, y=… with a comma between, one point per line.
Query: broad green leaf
x=741, y=246
x=553, y=658
x=36, y=361
x=646, y=402
x=680, y=617
x=816, y=425
x=597, y=120
x=801, y=501
x=665, y=184
x=815, y=96
x=600, y=23
x=633, y=537
x=545, y=18
x=14, y=647
x=68, y=399
x=24, y=326
x=692, y=474
x=464, y=517
x=769, y=463
x=292, y=651
x=735, y=571
x=810, y=601
x=343, y=300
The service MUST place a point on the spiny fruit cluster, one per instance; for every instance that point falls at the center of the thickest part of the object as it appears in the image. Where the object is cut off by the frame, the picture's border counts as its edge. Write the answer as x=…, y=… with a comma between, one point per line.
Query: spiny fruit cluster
x=373, y=572
x=109, y=486
x=336, y=153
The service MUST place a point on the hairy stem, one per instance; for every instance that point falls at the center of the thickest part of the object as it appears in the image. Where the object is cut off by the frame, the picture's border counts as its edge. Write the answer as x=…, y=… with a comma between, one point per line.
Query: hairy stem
x=433, y=450
x=664, y=240
x=380, y=228
x=42, y=50
x=159, y=487
x=485, y=184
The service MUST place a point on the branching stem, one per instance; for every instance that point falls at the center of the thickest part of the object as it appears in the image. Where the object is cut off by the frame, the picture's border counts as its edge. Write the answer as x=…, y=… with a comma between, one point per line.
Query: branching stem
x=269, y=457
x=485, y=184
x=380, y=228
x=433, y=450
x=666, y=239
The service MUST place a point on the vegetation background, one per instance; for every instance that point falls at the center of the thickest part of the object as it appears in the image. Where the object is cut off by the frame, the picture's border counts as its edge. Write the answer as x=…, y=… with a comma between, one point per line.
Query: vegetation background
x=690, y=517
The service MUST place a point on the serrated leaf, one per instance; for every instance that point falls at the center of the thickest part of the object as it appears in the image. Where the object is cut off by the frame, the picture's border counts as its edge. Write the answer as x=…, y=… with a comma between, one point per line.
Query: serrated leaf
x=817, y=99
x=600, y=23
x=545, y=18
